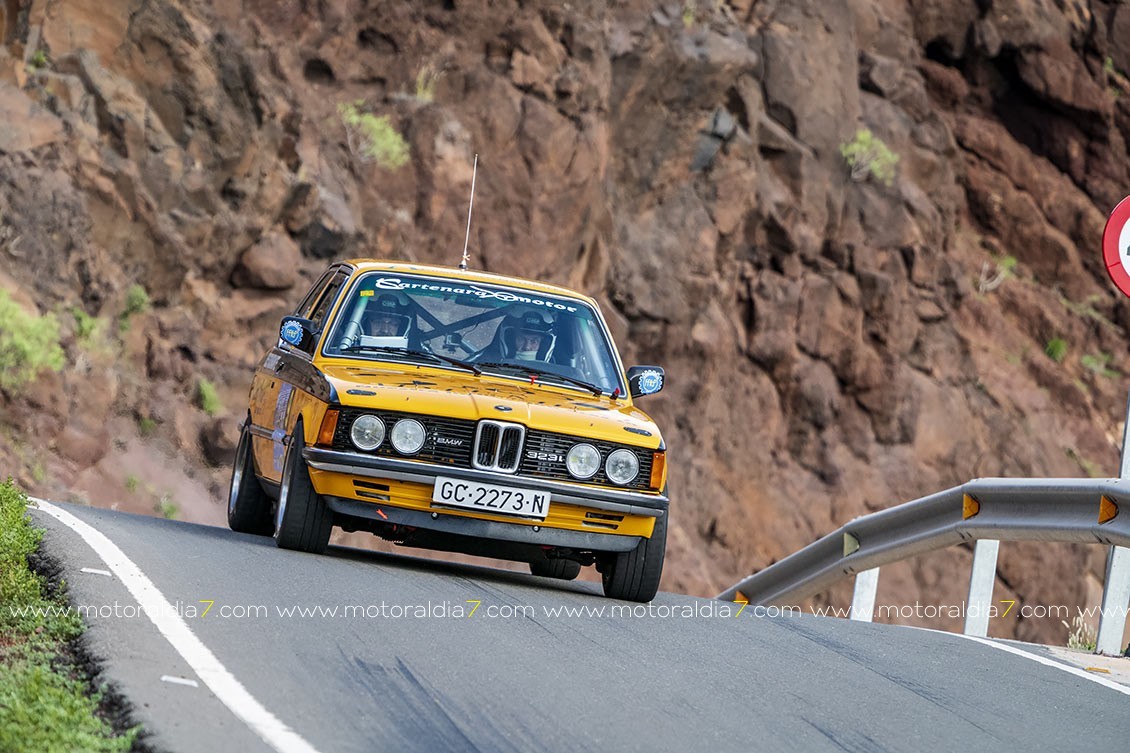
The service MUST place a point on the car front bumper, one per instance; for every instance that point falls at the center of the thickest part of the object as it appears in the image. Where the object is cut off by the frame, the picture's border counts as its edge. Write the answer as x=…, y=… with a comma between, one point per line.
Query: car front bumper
x=619, y=501
x=580, y=518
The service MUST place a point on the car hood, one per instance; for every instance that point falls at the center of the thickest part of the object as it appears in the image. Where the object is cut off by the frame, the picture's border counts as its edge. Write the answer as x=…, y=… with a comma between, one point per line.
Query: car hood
x=458, y=395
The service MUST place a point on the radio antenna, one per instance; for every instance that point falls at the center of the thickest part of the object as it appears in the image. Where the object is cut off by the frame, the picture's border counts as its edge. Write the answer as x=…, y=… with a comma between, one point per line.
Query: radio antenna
x=467, y=240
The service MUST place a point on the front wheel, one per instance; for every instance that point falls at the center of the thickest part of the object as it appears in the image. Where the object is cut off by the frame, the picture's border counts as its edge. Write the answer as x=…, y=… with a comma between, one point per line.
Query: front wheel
x=634, y=575
x=249, y=507
x=303, y=521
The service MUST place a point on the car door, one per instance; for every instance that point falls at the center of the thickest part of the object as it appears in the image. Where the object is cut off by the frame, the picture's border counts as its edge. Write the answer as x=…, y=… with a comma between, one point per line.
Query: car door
x=281, y=371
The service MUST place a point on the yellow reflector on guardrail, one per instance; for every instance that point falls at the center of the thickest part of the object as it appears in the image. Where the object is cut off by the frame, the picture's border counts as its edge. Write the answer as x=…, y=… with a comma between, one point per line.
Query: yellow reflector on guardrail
x=1108, y=510
x=851, y=544
x=969, y=507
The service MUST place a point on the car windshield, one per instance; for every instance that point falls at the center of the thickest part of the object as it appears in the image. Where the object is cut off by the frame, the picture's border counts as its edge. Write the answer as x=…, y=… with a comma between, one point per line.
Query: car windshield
x=499, y=330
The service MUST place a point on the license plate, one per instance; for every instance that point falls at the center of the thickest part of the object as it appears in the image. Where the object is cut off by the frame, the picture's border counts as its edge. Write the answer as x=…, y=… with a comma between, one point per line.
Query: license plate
x=490, y=498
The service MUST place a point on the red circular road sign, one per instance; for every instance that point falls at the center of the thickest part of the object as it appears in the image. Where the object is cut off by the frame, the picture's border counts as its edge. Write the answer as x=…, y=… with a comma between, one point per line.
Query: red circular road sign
x=1116, y=246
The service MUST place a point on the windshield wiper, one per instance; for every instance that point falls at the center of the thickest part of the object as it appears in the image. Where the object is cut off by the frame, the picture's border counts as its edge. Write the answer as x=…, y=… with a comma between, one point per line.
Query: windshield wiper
x=409, y=352
x=597, y=391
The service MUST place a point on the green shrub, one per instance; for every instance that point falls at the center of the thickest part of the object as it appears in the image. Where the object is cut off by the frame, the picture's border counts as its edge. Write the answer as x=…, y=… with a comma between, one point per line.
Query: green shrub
x=426, y=84
x=28, y=344
x=1100, y=364
x=868, y=156
x=132, y=483
x=39, y=60
x=373, y=138
x=18, y=540
x=146, y=425
x=689, y=12
x=1056, y=349
x=137, y=300
x=166, y=508
x=208, y=398
x=85, y=324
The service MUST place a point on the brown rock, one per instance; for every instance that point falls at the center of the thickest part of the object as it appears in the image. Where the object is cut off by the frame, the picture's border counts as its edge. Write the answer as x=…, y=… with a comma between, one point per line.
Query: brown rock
x=83, y=448
x=929, y=311
x=1056, y=73
x=217, y=441
x=27, y=126
x=526, y=73
x=271, y=264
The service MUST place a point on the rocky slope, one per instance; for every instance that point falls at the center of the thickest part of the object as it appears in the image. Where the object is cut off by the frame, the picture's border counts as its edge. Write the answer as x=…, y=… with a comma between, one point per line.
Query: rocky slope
x=835, y=342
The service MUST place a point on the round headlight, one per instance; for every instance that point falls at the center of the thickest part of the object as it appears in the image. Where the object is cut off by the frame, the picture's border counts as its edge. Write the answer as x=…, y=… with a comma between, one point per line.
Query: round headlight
x=622, y=466
x=408, y=436
x=367, y=432
x=583, y=461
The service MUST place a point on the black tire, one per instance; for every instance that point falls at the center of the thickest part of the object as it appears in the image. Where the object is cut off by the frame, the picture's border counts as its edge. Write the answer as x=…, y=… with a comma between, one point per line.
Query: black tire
x=303, y=521
x=249, y=507
x=561, y=569
x=634, y=575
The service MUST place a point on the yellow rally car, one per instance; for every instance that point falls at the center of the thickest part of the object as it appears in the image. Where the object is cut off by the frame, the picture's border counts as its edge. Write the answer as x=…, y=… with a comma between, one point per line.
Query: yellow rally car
x=458, y=411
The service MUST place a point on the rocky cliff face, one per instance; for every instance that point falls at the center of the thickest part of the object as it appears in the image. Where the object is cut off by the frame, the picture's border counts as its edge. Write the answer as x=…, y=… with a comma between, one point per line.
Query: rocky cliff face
x=838, y=340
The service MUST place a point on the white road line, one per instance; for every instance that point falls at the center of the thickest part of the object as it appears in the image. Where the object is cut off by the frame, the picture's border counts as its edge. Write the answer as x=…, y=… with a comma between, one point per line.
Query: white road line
x=164, y=617
x=180, y=681
x=95, y=571
x=1124, y=690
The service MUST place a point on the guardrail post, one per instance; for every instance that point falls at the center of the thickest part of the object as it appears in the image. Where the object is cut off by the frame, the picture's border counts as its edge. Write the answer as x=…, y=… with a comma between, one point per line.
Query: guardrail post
x=1116, y=598
x=981, y=581
x=1116, y=588
x=863, y=598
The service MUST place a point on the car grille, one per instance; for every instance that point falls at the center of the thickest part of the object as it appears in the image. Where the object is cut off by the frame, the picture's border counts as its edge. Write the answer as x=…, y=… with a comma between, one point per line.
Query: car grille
x=493, y=445
x=559, y=444
x=498, y=446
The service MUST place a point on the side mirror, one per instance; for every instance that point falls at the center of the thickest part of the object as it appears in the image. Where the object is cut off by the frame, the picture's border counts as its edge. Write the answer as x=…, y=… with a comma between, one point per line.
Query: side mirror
x=644, y=380
x=297, y=332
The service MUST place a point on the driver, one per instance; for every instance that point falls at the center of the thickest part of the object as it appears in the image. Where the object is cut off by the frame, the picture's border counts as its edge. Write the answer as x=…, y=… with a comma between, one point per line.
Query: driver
x=531, y=337
x=384, y=325
x=386, y=320
x=527, y=344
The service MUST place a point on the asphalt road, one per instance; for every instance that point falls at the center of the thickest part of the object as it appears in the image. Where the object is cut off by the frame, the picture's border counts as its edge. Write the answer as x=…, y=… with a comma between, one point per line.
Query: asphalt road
x=514, y=676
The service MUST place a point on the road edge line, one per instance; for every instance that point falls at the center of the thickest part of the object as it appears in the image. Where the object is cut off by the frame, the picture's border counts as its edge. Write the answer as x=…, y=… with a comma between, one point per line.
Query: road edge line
x=223, y=684
x=1119, y=687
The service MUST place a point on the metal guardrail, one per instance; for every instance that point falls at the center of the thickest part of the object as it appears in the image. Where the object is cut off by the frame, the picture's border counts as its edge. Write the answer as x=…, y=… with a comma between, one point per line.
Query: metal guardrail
x=1095, y=511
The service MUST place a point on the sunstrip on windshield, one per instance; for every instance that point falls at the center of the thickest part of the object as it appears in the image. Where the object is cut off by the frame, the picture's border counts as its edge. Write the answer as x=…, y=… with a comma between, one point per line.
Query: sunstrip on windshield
x=395, y=283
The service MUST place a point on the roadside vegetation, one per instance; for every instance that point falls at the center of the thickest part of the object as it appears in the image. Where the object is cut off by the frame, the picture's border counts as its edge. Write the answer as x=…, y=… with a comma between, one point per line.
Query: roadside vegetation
x=868, y=156
x=46, y=702
x=208, y=398
x=1056, y=349
x=373, y=138
x=29, y=344
x=137, y=302
x=1080, y=634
